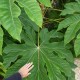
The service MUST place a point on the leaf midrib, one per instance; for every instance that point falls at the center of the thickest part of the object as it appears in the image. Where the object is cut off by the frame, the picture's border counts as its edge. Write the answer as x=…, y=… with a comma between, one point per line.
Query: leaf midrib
x=28, y=10
x=12, y=15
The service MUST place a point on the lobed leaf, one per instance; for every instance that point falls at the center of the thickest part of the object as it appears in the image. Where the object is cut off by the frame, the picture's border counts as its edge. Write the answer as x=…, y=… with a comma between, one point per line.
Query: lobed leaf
x=47, y=65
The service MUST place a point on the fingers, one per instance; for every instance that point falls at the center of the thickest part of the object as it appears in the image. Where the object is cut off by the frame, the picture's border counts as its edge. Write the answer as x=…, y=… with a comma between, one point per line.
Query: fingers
x=31, y=67
x=28, y=74
x=25, y=70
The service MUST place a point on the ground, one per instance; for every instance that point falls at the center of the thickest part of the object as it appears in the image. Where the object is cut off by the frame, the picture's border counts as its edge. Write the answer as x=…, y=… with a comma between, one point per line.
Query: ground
x=77, y=69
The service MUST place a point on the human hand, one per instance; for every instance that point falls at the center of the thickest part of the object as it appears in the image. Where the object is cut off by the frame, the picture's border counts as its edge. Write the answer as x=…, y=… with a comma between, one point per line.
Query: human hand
x=25, y=70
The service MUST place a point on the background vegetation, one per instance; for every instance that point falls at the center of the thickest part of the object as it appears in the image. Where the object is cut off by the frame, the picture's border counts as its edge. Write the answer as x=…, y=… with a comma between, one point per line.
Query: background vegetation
x=43, y=31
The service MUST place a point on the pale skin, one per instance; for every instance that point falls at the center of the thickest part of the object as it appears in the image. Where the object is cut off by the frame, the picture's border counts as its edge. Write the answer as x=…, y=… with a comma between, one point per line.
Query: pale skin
x=25, y=70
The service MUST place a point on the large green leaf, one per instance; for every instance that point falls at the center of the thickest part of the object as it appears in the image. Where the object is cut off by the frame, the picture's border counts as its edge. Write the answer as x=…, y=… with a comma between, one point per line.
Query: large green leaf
x=1, y=40
x=9, y=13
x=47, y=3
x=47, y=65
x=77, y=45
x=33, y=10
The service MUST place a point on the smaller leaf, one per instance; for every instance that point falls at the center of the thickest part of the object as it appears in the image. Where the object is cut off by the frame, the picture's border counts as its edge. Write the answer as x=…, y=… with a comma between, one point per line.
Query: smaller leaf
x=1, y=40
x=71, y=8
x=33, y=10
x=47, y=3
x=77, y=45
x=68, y=21
x=71, y=32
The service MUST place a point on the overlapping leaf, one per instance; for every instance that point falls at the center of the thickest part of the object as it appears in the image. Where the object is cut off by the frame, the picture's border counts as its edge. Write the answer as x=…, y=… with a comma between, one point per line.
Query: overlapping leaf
x=9, y=13
x=33, y=10
x=26, y=21
x=47, y=65
x=71, y=8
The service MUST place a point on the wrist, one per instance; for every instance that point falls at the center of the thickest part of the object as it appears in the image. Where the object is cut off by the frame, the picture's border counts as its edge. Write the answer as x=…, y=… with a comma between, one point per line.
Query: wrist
x=20, y=74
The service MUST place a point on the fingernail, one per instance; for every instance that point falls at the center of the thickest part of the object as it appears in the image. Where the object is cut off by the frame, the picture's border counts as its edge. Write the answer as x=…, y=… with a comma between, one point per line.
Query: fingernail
x=32, y=65
x=31, y=62
x=29, y=73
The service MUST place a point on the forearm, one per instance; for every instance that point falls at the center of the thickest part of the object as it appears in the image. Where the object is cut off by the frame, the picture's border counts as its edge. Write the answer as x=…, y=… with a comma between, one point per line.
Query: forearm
x=16, y=76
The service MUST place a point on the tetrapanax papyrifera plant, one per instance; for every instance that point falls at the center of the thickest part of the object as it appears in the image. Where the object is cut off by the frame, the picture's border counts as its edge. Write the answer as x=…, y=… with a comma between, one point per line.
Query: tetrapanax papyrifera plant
x=28, y=41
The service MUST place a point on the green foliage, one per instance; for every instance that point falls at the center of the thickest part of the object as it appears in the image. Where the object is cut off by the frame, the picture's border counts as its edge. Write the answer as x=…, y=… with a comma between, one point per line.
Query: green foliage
x=11, y=11
x=72, y=23
x=27, y=40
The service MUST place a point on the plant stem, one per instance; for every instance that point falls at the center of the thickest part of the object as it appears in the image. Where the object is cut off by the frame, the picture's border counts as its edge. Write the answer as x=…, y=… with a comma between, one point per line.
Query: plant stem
x=55, y=9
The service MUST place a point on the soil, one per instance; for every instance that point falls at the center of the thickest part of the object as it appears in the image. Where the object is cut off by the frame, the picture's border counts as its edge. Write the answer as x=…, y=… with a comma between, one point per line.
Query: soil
x=77, y=69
